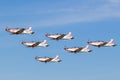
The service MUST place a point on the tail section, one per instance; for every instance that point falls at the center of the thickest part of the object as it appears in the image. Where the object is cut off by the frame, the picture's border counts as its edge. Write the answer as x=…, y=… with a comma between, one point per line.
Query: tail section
x=112, y=41
x=30, y=28
x=87, y=47
x=57, y=57
x=45, y=42
x=70, y=34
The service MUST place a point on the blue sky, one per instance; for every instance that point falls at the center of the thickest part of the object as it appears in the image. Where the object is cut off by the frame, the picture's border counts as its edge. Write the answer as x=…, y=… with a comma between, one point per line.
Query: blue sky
x=86, y=19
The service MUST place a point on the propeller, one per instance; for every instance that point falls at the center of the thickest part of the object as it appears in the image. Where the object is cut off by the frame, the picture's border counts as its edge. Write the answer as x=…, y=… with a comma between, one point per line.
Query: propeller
x=6, y=28
x=22, y=42
x=65, y=48
x=88, y=41
x=47, y=35
x=36, y=57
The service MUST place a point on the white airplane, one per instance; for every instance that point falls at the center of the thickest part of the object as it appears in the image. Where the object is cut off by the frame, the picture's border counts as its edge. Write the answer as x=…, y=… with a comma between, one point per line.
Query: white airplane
x=47, y=59
x=102, y=43
x=19, y=30
x=60, y=36
x=35, y=44
x=79, y=49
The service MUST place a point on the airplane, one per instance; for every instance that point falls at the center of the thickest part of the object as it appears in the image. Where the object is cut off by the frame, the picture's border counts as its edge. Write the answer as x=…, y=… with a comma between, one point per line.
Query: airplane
x=60, y=36
x=20, y=30
x=35, y=44
x=48, y=59
x=79, y=49
x=102, y=43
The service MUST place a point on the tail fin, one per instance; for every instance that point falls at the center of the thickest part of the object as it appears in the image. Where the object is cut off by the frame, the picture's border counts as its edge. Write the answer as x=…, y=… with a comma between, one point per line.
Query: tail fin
x=30, y=28
x=70, y=34
x=87, y=47
x=57, y=57
x=112, y=41
x=45, y=41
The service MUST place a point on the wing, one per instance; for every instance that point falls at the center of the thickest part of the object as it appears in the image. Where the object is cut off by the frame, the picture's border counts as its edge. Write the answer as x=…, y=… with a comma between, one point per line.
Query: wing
x=79, y=49
x=97, y=44
x=48, y=60
x=34, y=45
x=73, y=50
x=104, y=43
x=60, y=37
x=20, y=31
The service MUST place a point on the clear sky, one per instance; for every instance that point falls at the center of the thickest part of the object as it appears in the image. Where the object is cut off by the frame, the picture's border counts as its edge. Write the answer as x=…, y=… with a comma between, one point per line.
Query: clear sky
x=86, y=19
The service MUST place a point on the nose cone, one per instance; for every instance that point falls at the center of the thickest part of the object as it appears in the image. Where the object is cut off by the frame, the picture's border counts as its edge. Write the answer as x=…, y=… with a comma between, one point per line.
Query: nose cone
x=88, y=42
x=22, y=42
x=65, y=48
x=6, y=28
x=47, y=35
x=36, y=58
